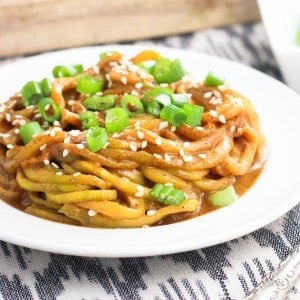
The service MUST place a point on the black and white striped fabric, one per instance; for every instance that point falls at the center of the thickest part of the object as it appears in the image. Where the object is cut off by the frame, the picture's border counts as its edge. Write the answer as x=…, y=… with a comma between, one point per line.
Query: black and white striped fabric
x=232, y=270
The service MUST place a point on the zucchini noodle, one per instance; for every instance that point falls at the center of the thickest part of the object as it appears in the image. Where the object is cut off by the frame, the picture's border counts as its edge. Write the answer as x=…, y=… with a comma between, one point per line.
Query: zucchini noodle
x=57, y=177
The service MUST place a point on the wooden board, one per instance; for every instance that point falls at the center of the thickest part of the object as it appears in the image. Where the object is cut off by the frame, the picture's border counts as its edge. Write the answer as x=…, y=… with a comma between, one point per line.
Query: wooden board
x=28, y=26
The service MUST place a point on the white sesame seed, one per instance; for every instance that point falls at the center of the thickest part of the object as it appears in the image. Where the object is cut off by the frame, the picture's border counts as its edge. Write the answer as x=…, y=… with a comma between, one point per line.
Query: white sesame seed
x=144, y=144
x=59, y=173
x=139, y=188
x=43, y=147
x=232, y=128
x=202, y=155
x=207, y=95
x=158, y=141
x=217, y=93
x=157, y=155
x=52, y=133
x=186, y=144
x=92, y=213
x=47, y=107
x=2, y=108
x=181, y=152
x=71, y=102
x=222, y=119
x=151, y=212
x=187, y=158
x=199, y=128
x=139, y=194
x=168, y=184
x=67, y=139
x=37, y=115
x=134, y=93
x=167, y=157
x=140, y=134
x=213, y=113
x=10, y=146
x=115, y=135
x=53, y=164
x=74, y=133
x=56, y=123
x=137, y=125
x=163, y=125
x=76, y=173
x=65, y=153
x=17, y=130
x=138, y=85
x=5, y=135
x=124, y=79
x=79, y=146
x=46, y=162
x=8, y=117
x=173, y=128
x=133, y=147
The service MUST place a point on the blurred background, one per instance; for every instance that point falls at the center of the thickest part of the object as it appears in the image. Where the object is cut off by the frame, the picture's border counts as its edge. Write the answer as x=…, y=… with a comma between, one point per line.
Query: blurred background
x=32, y=26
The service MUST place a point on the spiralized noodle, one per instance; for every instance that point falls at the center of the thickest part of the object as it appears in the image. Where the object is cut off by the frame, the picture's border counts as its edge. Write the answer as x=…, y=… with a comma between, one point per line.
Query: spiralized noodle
x=55, y=176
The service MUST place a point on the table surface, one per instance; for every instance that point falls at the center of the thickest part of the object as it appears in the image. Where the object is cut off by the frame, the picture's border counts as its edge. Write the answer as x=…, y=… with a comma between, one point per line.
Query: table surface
x=245, y=268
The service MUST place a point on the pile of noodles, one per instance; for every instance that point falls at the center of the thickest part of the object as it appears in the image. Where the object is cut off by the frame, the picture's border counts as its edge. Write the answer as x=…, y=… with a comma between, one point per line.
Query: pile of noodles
x=55, y=176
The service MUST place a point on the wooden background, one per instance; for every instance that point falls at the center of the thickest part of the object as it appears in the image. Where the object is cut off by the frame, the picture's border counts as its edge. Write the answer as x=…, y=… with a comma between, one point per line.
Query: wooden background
x=28, y=26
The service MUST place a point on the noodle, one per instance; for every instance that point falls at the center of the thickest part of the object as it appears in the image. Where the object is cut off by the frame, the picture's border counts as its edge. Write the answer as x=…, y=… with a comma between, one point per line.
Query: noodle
x=57, y=176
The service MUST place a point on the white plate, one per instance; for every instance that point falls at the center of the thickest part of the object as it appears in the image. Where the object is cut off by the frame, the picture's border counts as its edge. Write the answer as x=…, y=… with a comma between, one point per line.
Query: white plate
x=276, y=191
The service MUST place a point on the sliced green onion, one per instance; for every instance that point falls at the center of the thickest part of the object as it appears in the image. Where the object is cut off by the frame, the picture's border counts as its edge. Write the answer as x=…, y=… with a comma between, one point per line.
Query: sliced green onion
x=100, y=103
x=223, y=197
x=108, y=53
x=132, y=104
x=151, y=94
x=88, y=119
x=212, y=79
x=163, y=99
x=67, y=71
x=153, y=108
x=167, y=71
x=179, y=99
x=96, y=138
x=49, y=110
x=298, y=36
x=173, y=114
x=167, y=194
x=116, y=119
x=193, y=114
x=28, y=130
x=31, y=93
x=89, y=85
x=45, y=85
x=147, y=65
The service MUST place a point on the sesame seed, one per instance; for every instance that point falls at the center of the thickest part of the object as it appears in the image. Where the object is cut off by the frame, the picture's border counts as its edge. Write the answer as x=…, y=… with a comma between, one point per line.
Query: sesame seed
x=151, y=212
x=173, y=128
x=140, y=134
x=139, y=188
x=59, y=173
x=139, y=194
x=187, y=158
x=232, y=128
x=2, y=108
x=134, y=93
x=115, y=135
x=217, y=93
x=186, y=144
x=133, y=147
x=47, y=107
x=123, y=79
x=92, y=213
x=167, y=157
x=168, y=184
x=144, y=144
x=52, y=133
x=8, y=117
x=5, y=135
x=65, y=153
x=67, y=139
x=71, y=102
x=138, y=85
x=10, y=146
x=137, y=125
x=46, y=162
x=58, y=89
x=157, y=155
x=17, y=130
x=207, y=95
x=199, y=128
x=56, y=123
x=163, y=125
x=222, y=119
x=181, y=152
x=76, y=173
x=37, y=115
x=79, y=146
x=43, y=147
x=53, y=164
x=74, y=133
x=213, y=113
x=158, y=141
x=202, y=155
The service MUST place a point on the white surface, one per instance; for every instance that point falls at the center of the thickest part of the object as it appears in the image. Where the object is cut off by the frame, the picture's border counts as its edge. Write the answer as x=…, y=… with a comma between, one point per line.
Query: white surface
x=276, y=191
x=281, y=19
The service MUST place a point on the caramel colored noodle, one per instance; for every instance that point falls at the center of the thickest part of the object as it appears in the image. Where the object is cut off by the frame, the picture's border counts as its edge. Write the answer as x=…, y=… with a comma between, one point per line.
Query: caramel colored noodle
x=55, y=176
